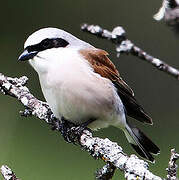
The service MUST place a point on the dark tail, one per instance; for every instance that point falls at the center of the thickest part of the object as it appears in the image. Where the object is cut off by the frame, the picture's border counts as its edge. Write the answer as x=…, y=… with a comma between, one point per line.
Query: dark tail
x=141, y=143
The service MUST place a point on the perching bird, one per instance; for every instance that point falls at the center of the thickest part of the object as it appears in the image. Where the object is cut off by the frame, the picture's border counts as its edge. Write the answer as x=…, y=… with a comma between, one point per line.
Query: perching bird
x=81, y=84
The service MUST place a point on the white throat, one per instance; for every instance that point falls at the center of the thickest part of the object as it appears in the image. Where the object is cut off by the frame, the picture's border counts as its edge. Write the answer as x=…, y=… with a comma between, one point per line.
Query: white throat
x=58, y=60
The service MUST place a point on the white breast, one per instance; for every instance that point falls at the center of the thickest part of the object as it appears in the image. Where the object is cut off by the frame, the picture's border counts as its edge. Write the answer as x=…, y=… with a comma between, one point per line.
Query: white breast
x=74, y=91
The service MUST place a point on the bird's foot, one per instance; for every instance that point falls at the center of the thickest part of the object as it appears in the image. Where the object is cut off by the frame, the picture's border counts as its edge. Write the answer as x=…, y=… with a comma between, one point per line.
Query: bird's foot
x=67, y=131
x=72, y=133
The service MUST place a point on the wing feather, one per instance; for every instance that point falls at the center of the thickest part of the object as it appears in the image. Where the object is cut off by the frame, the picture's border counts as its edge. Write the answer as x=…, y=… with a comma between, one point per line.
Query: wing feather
x=103, y=66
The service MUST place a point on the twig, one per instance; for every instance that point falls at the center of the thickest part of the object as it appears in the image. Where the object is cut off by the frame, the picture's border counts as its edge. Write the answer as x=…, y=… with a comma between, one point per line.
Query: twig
x=123, y=45
x=7, y=173
x=172, y=167
x=169, y=11
x=108, y=151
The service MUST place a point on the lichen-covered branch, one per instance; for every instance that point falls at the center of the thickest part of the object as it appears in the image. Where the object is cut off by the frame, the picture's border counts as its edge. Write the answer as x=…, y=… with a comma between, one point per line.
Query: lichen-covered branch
x=172, y=167
x=169, y=11
x=132, y=166
x=108, y=151
x=7, y=173
x=124, y=45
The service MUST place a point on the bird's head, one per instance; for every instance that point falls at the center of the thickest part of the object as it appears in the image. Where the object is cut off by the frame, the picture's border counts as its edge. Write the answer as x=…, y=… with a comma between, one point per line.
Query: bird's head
x=46, y=43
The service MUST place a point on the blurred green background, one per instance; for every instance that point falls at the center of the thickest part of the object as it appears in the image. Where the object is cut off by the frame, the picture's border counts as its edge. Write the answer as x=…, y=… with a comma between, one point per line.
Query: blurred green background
x=28, y=145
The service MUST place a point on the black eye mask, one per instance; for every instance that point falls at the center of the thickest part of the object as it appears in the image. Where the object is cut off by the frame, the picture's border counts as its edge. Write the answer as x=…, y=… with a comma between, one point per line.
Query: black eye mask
x=47, y=44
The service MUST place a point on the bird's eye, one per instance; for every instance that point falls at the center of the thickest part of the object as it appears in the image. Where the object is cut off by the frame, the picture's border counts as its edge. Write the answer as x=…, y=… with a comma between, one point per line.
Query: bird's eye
x=46, y=43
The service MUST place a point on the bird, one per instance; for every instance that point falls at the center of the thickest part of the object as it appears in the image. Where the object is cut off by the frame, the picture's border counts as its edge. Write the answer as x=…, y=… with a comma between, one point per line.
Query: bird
x=81, y=84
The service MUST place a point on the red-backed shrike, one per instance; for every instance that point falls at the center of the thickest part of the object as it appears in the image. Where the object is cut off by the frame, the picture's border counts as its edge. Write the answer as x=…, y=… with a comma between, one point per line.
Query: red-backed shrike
x=80, y=83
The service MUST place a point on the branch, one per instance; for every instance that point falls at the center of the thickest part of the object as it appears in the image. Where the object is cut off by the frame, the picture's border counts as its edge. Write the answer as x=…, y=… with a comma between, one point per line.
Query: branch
x=7, y=173
x=169, y=11
x=172, y=167
x=108, y=151
x=124, y=45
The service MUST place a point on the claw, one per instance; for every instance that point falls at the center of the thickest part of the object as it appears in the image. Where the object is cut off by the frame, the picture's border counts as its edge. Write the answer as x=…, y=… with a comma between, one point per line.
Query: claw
x=72, y=133
x=3, y=91
x=27, y=112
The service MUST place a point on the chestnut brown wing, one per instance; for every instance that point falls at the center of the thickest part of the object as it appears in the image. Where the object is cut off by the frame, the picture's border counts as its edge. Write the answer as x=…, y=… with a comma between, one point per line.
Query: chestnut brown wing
x=103, y=66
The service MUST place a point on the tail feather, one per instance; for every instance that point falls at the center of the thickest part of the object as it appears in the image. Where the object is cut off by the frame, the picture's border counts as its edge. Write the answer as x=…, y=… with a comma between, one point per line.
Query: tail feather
x=141, y=143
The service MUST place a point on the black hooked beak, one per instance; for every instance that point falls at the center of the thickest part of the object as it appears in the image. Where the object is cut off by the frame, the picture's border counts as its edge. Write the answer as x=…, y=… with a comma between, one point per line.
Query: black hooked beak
x=27, y=55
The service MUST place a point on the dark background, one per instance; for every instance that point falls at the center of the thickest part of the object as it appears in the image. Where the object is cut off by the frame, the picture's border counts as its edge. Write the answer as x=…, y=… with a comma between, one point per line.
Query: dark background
x=28, y=145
